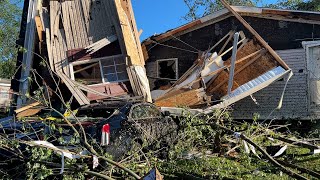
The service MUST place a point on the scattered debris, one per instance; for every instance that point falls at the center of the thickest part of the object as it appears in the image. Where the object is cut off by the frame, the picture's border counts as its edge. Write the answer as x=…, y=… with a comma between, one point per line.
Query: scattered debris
x=95, y=58
x=90, y=85
x=216, y=83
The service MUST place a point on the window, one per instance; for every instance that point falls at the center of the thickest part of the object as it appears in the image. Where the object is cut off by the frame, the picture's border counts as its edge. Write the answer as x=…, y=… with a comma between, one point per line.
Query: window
x=167, y=68
x=101, y=70
x=114, y=70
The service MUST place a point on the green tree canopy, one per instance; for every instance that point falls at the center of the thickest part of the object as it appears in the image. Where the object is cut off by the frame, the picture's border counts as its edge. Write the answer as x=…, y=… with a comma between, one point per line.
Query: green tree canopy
x=310, y=5
x=200, y=8
x=10, y=15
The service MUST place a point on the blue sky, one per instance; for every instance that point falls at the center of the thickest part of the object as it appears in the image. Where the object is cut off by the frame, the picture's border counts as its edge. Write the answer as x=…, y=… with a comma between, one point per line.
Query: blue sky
x=158, y=16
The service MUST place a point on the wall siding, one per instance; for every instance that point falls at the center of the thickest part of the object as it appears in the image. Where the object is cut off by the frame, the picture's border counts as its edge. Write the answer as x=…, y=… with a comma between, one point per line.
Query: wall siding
x=295, y=104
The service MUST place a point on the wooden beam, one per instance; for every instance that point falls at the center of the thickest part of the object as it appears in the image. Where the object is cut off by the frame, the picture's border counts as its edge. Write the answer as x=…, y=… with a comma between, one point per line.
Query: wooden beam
x=140, y=32
x=39, y=27
x=129, y=38
x=238, y=71
x=224, y=37
x=226, y=43
x=257, y=36
x=27, y=107
x=100, y=44
x=82, y=69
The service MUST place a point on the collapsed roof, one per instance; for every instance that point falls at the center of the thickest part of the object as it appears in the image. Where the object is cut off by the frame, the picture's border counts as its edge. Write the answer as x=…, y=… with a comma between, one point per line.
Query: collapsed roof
x=216, y=82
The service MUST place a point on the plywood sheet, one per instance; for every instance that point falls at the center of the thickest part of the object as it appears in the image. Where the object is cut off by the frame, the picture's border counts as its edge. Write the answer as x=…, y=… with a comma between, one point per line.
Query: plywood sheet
x=188, y=98
x=129, y=36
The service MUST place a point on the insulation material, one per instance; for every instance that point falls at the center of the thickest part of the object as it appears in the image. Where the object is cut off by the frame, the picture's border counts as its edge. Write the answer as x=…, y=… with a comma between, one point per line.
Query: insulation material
x=214, y=63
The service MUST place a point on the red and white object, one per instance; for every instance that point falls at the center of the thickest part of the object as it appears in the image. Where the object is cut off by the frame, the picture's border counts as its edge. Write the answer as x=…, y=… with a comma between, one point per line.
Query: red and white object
x=105, y=135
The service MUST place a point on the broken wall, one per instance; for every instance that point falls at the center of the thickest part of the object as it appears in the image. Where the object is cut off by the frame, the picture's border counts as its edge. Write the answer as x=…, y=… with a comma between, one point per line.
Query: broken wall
x=278, y=34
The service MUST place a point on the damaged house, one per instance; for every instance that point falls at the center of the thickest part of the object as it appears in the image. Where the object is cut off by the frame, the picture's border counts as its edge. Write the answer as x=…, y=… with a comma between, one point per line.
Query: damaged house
x=253, y=77
x=92, y=48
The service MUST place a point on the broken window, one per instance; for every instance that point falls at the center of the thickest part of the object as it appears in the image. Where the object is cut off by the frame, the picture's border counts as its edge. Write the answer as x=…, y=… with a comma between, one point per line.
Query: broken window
x=167, y=68
x=102, y=70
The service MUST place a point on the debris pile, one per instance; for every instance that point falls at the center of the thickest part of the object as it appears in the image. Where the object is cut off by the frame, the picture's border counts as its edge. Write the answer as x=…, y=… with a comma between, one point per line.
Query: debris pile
x=219, y=79
x=93, y=47
x=87, y=113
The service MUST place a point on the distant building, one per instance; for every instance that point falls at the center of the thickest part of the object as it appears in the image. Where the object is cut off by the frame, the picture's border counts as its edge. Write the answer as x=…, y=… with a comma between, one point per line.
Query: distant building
x=4, y=94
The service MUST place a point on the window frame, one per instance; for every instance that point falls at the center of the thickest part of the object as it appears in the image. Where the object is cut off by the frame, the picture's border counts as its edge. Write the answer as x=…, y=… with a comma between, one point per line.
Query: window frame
x=103, y=79
x=168, y=59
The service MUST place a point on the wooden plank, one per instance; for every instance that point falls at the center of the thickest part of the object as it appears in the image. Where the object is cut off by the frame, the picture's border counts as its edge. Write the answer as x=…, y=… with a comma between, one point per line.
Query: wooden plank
x=257, y=36
x=226, y=43
x=140, y=32
x=145, y=52
x=100, y=44
x=135, y=30
x=188, y=98
x=54, y=18
x=49, y=49
x=28, y=112
x=128, y=36
x=110, y=9
x=82, y=26
x=76, y=92
x=224, y=37
x=45, y=19
x=39, y=27
x=27, y=107
x=73, y=24
x=63, y=51
x=66, y=26
x=212, y=90
x=86, y=15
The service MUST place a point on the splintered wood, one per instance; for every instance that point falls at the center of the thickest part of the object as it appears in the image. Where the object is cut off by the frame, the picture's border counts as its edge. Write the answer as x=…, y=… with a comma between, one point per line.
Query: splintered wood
x=188, y=98
x=254, y=58
x=88, y=33
x=245, y=70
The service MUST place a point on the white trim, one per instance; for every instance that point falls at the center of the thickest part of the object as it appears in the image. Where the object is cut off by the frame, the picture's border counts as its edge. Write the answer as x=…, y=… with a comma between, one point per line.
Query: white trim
x=5, y=84
x=105, y=83
x=101, y=67
x=95, y=59
x=169, y=59
x=101, y=72
x=71, y=71
x=307, y=45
